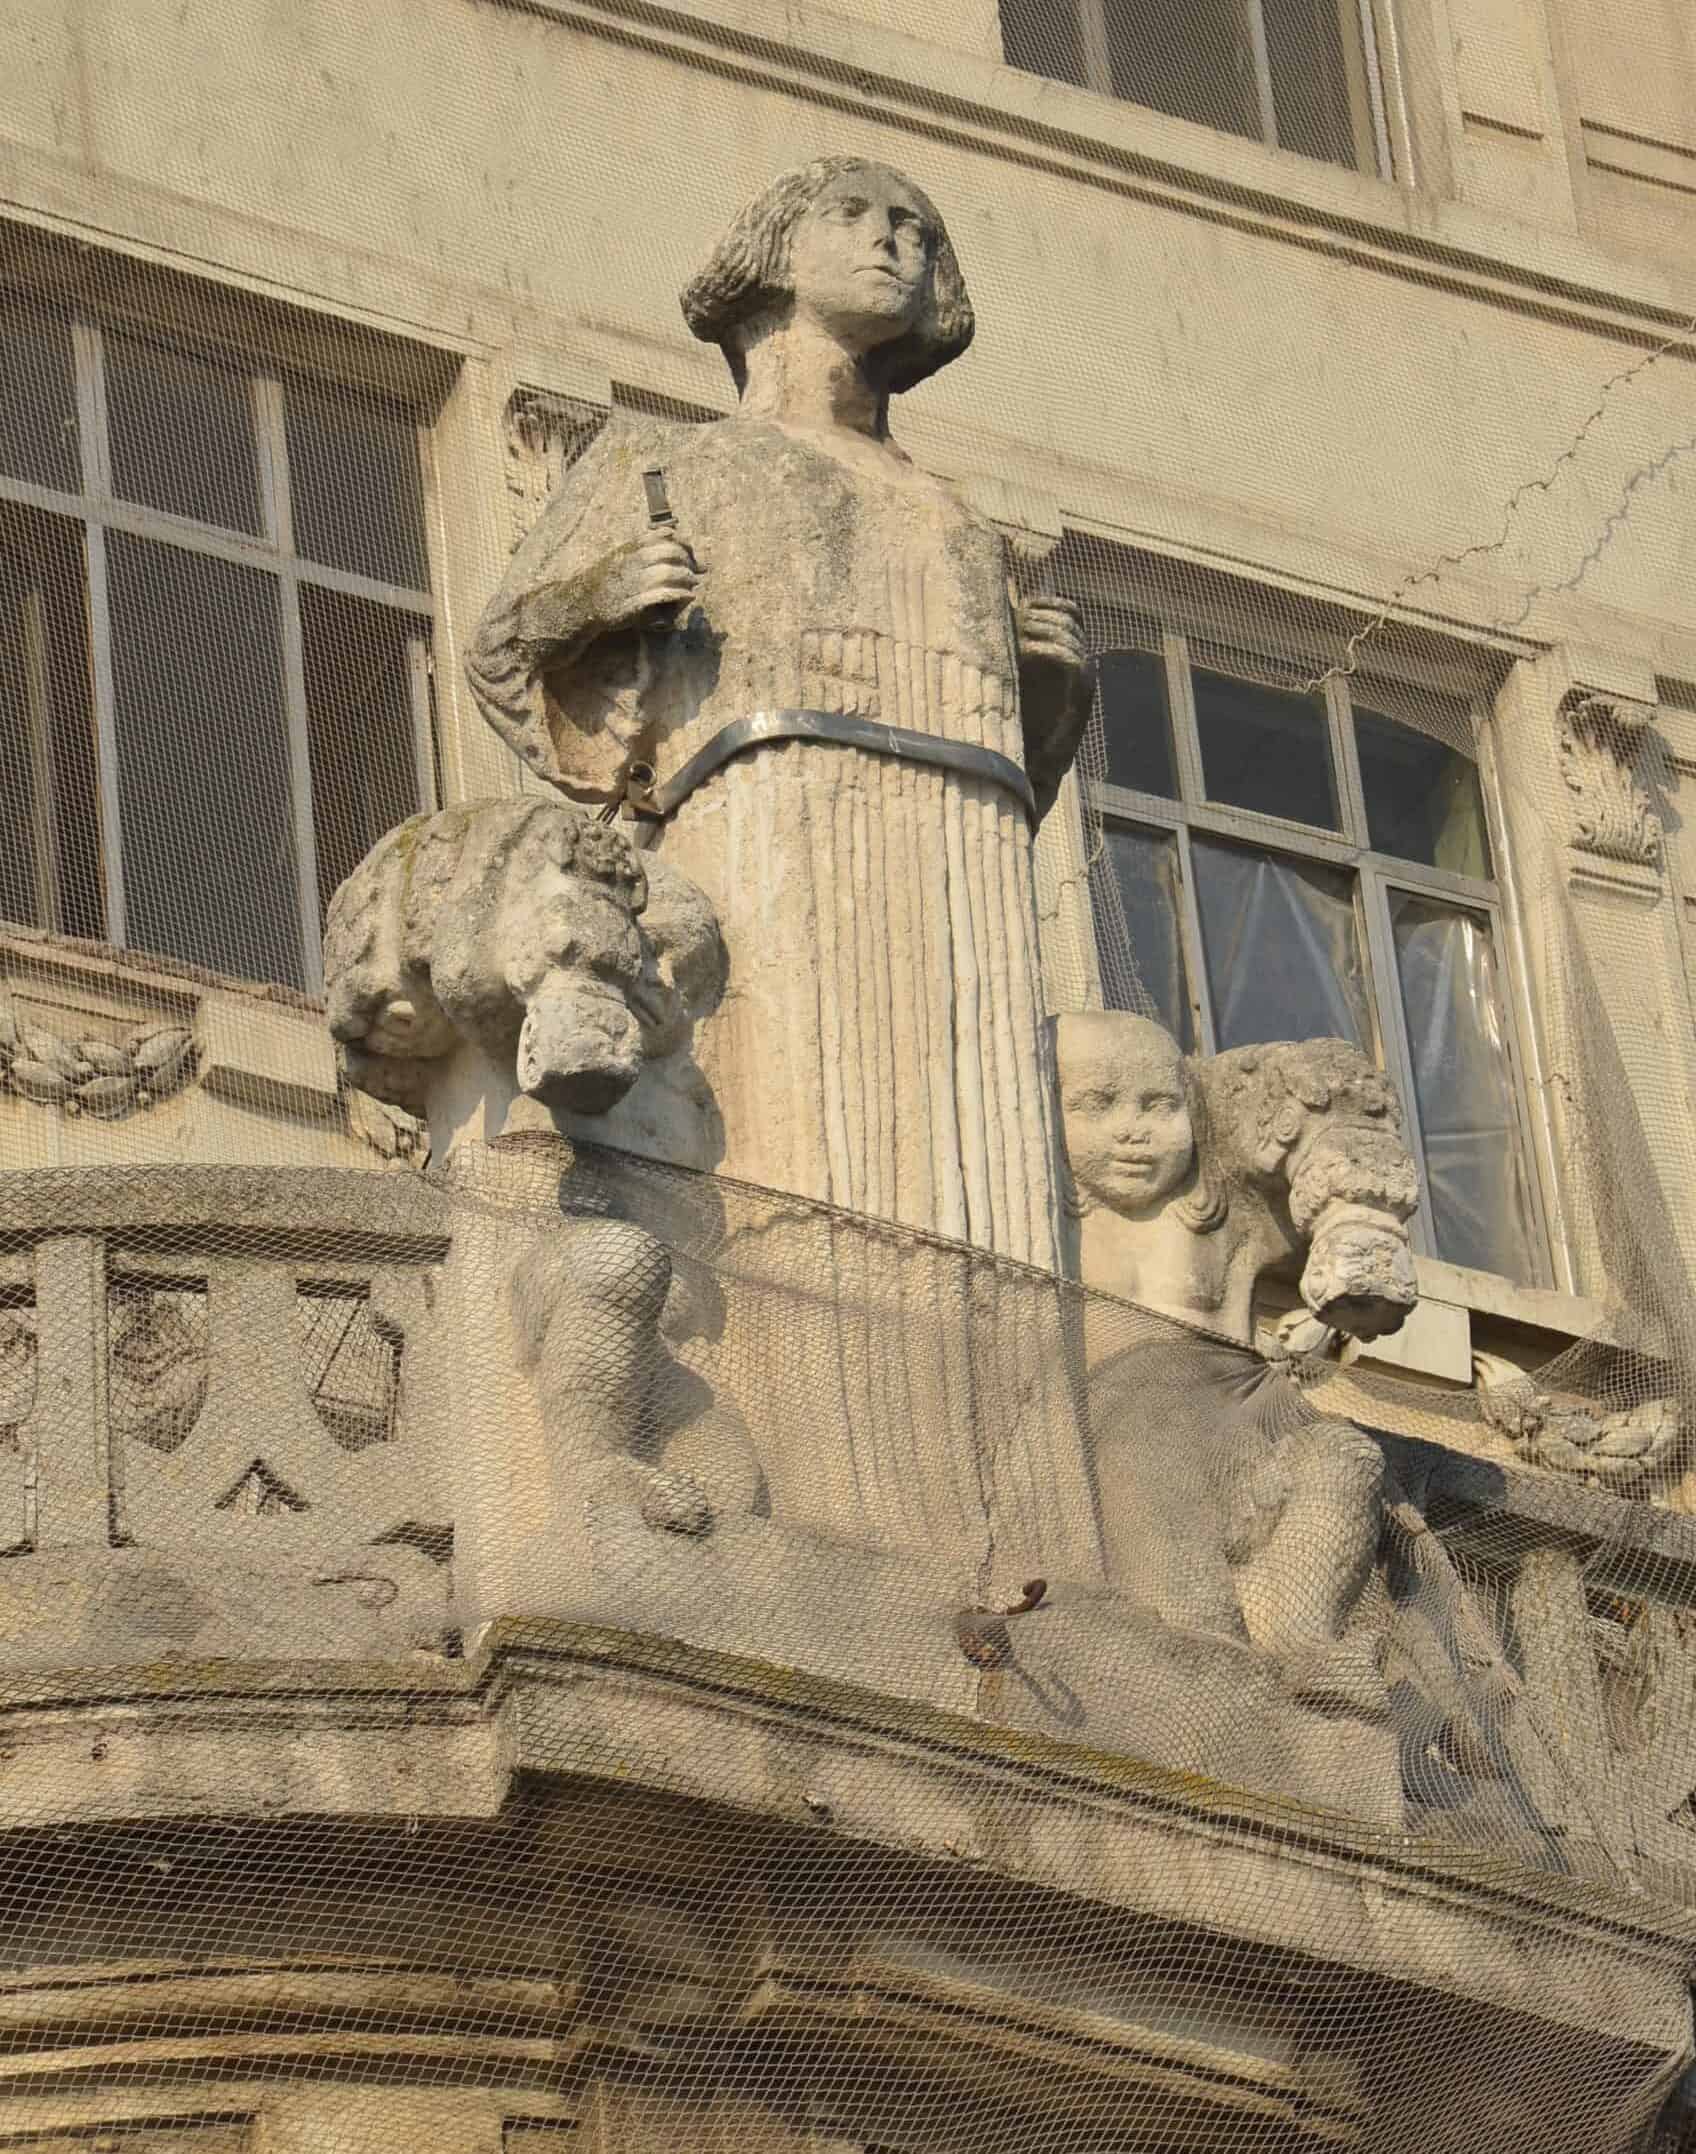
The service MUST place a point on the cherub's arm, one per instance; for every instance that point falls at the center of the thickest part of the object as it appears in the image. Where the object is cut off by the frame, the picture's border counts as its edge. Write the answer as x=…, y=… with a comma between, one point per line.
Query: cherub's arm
x=1318, y=1129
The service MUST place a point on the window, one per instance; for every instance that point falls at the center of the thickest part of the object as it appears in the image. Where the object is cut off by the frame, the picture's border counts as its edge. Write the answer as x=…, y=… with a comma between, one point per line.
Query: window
x=215, y=629
x=1294, y=74
x=1292, y=864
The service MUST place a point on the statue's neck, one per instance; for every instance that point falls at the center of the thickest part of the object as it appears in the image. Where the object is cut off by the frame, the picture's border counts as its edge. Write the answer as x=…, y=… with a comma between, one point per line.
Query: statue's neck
x=799, y=375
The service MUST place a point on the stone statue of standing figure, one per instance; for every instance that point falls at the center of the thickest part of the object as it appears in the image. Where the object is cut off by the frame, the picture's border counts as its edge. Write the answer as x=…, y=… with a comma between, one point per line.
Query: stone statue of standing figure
x=799, y=661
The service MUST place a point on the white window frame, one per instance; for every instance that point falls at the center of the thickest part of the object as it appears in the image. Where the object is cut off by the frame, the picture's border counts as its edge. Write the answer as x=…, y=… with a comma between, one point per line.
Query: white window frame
x=1375, y=876
x=100, y=511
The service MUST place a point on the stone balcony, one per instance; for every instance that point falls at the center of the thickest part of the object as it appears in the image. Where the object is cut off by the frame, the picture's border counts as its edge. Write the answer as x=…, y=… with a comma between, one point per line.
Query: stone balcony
x=233, y=1428
x=235, y=1646
x=766, y=1807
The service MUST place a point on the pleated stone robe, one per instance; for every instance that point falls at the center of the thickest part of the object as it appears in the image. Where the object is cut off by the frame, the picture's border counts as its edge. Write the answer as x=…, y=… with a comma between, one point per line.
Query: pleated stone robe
x=881, y=1045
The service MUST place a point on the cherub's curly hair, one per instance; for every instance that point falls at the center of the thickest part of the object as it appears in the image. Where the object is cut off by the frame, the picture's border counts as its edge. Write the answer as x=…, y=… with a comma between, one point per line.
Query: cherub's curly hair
x=748, y=275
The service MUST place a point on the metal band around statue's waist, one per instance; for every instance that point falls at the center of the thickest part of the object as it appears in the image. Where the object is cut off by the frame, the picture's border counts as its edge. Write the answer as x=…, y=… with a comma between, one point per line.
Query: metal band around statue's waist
x=648, y=797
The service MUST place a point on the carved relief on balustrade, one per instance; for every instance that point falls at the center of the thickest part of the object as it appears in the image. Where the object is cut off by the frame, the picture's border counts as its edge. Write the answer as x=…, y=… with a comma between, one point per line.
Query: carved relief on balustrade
x=254, y=1392
x=215, y=1421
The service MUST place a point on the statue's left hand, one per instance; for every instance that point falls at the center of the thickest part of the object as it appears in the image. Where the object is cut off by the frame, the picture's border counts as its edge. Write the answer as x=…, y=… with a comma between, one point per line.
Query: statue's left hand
x=1055, y=683
x=1051, y=631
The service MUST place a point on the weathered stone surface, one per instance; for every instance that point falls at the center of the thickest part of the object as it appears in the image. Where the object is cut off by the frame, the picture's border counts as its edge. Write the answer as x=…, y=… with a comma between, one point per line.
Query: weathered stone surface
x=716, y=1850
x=520, y=947
x=881, y=1046
x=1225, y=1505
x=236, y=1205
x=120, y=1607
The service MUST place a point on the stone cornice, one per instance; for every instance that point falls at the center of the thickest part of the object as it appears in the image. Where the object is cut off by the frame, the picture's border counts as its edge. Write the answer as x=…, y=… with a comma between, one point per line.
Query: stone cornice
x=958, y=97
x=627, y=1711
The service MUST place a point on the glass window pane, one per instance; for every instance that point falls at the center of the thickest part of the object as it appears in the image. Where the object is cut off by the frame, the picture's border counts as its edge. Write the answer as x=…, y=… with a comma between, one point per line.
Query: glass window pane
x=360, y=725
x=1195, y=61
x=1423, y=800
x=49, y=796
x=203, y=765
x=1265, y=748
x=1138, y=929
x=354, y=483
x=182, y=433
x=1043, y=39
x=38, y=397
x=1282, y=946
x=1135, y=722
x=1318, y=75
x=1463, y=1082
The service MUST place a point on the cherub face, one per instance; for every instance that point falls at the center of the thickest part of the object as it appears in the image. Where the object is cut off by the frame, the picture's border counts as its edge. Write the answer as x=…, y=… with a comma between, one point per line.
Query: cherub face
x=1129, y=1141
x=860, y=258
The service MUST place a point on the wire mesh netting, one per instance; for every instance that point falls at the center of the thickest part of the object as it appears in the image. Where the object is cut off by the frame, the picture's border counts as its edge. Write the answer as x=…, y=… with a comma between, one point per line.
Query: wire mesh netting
x=656, y=1606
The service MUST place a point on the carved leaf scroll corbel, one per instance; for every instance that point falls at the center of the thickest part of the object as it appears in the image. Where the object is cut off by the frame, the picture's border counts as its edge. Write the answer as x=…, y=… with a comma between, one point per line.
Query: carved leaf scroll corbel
x=544, y=436
x=1598, y=742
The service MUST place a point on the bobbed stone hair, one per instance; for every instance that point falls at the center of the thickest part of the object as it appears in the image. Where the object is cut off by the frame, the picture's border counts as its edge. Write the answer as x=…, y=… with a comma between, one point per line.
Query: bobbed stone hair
x=748, y=275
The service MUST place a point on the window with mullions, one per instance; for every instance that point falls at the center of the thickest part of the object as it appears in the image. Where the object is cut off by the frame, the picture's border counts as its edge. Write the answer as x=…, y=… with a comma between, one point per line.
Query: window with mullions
x=1293, y=864
x=215, y=625
x=1294, y=74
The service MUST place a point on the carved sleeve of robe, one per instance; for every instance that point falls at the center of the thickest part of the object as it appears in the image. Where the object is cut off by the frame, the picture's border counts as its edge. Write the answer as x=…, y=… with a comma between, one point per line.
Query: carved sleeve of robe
x=881, y=1044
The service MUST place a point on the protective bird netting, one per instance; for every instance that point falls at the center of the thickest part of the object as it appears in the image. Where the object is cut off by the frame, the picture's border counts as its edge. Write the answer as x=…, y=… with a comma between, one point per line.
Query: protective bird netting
x=515, y=1627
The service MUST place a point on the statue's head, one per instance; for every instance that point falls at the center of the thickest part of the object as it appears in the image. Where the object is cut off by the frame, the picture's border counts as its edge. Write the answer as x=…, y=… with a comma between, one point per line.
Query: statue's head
x=855, y=246
x=1130, y=1109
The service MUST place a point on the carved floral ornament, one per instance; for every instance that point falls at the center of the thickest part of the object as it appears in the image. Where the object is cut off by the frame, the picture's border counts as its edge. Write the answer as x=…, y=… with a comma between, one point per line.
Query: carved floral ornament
x=1598, y=741
x=545, y=433
x=91, y=1075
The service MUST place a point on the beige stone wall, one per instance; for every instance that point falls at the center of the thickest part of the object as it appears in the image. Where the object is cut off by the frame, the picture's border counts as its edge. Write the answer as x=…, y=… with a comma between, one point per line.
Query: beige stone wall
x=1632, y=68
x=530, y=193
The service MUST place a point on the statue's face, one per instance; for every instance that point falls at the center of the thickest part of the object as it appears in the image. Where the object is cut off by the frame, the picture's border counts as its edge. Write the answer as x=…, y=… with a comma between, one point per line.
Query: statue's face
x=1128, y=1136
x=860, y=258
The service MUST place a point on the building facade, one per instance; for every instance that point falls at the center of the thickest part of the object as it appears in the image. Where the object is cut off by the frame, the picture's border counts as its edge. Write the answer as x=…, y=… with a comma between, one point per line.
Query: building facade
x=1336, y=360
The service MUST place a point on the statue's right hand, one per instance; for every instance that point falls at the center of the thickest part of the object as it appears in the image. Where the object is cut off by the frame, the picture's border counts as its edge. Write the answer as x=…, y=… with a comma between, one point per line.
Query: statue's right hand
x=655, y=576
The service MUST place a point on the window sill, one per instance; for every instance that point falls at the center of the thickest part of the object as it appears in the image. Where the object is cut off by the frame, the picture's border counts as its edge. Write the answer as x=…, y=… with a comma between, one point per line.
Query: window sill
x=1462, y=1311
x=259, y=1046
x=1487, y=1294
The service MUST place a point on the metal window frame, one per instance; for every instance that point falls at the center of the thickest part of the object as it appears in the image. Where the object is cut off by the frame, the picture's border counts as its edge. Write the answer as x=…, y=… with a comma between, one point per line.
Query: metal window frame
x=99, y=512
x=1375, y=876
x=1380, y=879
x=1357, y=24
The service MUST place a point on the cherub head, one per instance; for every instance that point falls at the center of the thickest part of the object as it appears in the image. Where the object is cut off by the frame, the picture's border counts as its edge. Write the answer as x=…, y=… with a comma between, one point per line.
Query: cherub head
x=855, y=245
x=1134, y=1121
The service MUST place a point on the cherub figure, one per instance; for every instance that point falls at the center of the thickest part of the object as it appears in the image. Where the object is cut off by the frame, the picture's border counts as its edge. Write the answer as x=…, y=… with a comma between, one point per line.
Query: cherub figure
x=1224, y=1502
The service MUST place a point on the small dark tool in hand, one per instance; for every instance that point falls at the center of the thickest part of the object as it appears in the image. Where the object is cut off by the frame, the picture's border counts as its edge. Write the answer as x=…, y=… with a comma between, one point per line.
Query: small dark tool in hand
x=659, y=501
x=662, y=518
